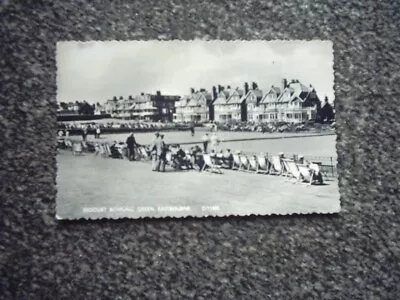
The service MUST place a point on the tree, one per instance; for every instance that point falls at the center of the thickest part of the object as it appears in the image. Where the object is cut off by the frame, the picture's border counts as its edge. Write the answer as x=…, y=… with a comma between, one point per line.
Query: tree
x=64, y=106
x=327, y=113
x=86, y=109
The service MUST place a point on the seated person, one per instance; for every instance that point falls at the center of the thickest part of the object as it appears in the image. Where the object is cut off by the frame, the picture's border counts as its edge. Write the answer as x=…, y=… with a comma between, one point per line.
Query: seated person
x=197, y=157
x=317, y=173
x=228, y=158
x=114, y=151
x=217, y=157
x=179, y=157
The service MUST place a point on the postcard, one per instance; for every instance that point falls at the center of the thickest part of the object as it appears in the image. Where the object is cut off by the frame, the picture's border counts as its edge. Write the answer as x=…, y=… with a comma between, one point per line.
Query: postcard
x=195, y=128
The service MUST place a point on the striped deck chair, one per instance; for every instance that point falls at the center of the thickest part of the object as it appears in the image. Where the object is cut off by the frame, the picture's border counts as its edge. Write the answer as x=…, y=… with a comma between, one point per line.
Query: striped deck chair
x=253, y=164
x=293, y=174
x=262, y=164
x=211, y=166
x=244, y=163
x=77, y=148
x=276, y=167
x=236, y=162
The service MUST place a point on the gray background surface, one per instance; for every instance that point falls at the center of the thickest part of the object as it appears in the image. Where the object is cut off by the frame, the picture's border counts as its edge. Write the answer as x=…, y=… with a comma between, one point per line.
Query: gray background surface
x=354, y=255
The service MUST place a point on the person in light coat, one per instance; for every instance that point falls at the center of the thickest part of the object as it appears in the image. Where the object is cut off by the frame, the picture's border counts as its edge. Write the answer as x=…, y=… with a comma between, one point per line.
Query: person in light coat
x=157, y=149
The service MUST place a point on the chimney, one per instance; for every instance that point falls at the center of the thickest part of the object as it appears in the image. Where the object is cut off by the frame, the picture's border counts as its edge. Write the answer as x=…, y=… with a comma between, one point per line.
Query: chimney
x=158, y=93
x=141, y=94
x=284, y=83
x=220, y=88
x=191, y=90
x=120, y=98
x=214, y=92
x=254, y=86
x=246, y=88
x=130, y=97
x=228, y=87
x=202, y=90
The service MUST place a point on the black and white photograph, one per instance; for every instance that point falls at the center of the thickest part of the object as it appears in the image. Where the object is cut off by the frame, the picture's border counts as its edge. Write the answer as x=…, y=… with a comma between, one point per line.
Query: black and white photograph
x=195, y=128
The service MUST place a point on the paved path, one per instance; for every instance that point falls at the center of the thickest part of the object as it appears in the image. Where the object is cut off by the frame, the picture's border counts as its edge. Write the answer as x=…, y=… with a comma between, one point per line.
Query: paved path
x=88, y=183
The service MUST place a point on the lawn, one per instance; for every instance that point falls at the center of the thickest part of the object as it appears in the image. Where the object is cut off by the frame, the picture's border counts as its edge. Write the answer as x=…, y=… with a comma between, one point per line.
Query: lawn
x=118, y=188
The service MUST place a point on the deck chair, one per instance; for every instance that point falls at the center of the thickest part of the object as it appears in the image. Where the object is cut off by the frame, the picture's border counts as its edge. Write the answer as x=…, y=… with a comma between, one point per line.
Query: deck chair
x=253, y=164
x=141, y=153
x=276, y=166
x=307, y=173
x=244, y=163
x=236, y=162
x=77, y=149
x=107, y=150
x=285, y=167
x=293, y=172
x=262, y=164
x=208, y=163
x=103, y=151
x=169, y=160
x=68, y=143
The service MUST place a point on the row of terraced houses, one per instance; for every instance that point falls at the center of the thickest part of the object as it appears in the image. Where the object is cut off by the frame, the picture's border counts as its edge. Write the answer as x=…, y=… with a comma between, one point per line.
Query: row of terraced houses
x=291, y=102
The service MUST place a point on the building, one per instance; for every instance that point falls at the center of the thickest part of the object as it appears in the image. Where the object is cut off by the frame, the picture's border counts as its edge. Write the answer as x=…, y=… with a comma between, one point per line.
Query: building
x=297, y=103
x=194, y=107
x=149, y=107
x=228, y=105
x=111, y=106
x=267, y=108
x=251, y=102
x=99, y=109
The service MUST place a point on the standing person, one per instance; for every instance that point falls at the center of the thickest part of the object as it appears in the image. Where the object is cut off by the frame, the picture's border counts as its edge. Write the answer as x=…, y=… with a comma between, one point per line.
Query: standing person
x=84, y=133
x=214, y=142
x=98, y=131
x=131, y=145
x=163, y=155
x=206, y=140
x=192, y=129
x=157, y=148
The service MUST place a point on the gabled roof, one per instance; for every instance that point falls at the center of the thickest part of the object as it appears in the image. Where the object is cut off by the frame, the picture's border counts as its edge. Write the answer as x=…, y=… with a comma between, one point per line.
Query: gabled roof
x=257, y=92
x=237, y=100
x=196, y=98
x=274, y=91
x=221, y=98
x=295, y=90
x=183, y=101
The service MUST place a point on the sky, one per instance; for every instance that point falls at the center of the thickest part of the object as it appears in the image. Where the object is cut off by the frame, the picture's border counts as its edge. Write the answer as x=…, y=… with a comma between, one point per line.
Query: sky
x=97, y=71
